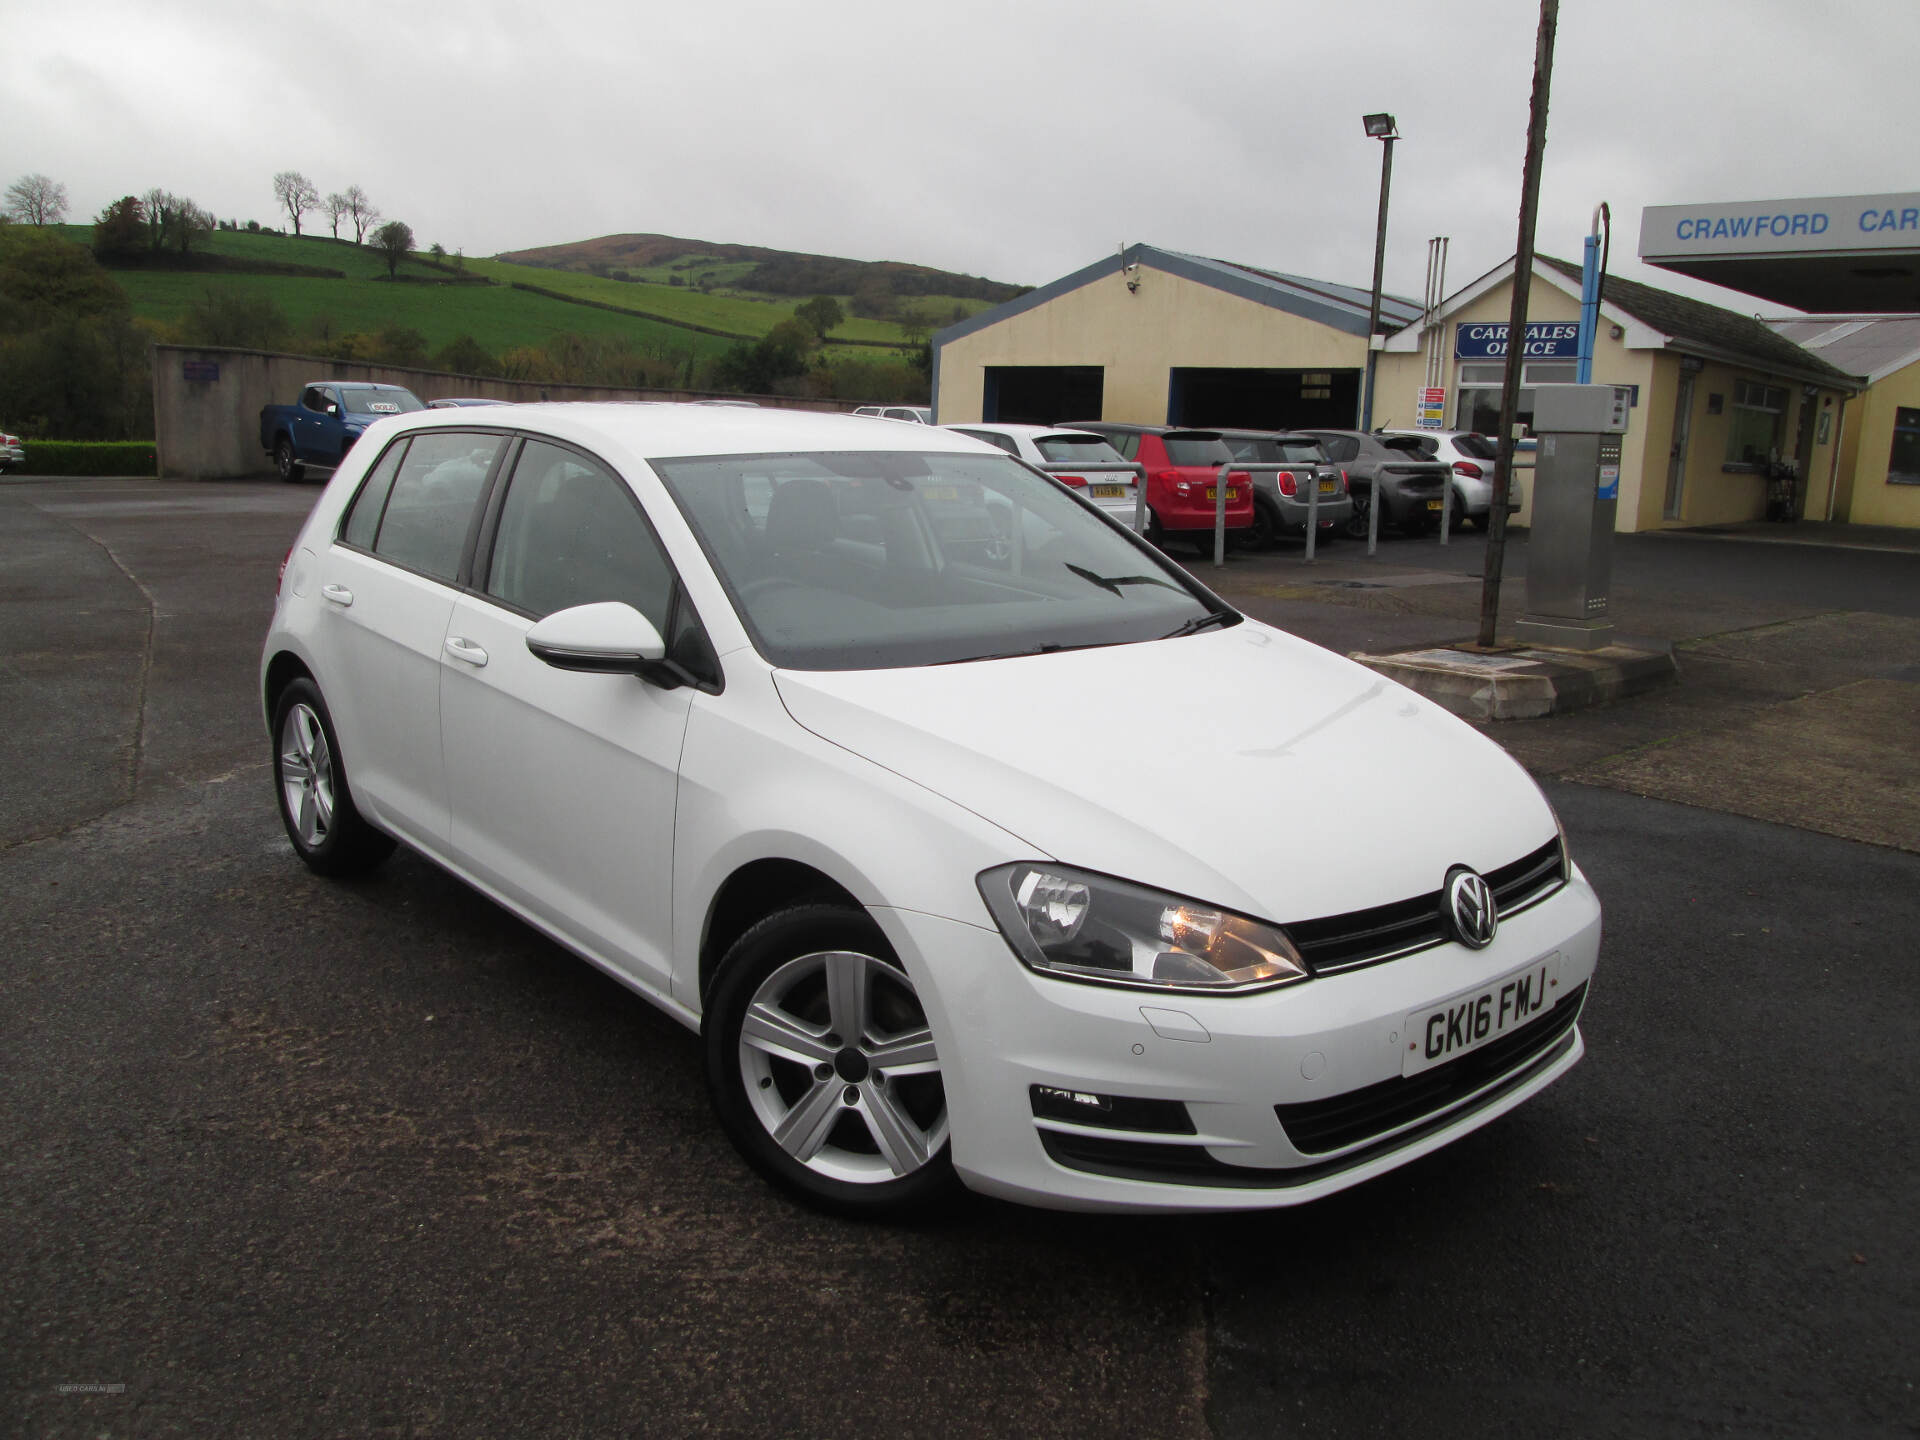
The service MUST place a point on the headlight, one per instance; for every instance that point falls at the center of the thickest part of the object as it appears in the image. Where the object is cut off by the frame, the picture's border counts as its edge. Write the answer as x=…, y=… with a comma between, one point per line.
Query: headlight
x=1082, y=926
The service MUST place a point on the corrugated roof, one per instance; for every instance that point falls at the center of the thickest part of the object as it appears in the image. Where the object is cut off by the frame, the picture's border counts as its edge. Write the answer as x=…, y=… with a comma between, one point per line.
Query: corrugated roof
x=1395, y=310
x=1871, y=345
x=1708, y=326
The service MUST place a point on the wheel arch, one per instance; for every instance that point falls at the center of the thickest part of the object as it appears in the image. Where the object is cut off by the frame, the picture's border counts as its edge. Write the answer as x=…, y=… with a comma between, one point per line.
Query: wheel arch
x=754, y=891
x=281, y=671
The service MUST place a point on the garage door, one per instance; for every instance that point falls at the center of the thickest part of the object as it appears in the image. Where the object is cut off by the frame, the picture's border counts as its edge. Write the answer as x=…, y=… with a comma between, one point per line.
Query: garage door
x=1264, y=399
x=1042, y=394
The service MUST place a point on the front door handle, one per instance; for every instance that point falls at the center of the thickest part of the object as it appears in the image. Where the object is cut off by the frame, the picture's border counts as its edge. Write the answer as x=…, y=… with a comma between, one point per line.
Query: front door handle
x=463, y=649
x=338, y=594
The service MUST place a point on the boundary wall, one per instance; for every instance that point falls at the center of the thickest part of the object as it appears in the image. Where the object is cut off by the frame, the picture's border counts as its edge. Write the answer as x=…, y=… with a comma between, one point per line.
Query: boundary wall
x=207, y=401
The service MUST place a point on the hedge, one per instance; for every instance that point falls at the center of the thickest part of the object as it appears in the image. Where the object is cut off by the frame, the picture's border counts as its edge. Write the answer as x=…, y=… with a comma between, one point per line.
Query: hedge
x=88, y=457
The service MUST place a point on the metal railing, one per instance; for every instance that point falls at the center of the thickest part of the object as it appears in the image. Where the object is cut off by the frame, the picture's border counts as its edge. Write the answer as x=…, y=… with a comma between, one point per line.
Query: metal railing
x=1250, y=469
x=1110, y=467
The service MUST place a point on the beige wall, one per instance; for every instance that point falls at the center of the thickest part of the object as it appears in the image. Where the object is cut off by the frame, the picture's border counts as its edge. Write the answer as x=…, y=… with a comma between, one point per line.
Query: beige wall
x=1869, y=446
x=1136, y=338
x=210, y=429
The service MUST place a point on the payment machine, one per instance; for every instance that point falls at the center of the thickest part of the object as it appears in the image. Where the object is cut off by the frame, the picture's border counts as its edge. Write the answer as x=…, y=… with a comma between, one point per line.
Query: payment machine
x=1576, y=488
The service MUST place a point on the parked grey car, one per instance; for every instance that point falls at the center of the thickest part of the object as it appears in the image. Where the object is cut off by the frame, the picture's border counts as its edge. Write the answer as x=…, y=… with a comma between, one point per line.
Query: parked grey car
x=1411, y=487
x=1283, y=501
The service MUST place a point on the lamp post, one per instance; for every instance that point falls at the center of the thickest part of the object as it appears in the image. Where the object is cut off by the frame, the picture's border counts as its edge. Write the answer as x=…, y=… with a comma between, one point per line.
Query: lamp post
x=1381, y=128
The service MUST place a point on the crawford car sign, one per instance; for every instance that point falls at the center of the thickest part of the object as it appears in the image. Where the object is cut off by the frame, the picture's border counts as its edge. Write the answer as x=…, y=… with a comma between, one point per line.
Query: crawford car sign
x=1546, y=340
x=1767, y=227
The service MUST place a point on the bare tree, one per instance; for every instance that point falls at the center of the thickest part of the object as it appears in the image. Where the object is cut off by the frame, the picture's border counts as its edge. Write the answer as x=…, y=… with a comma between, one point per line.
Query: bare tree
x=362, y=212
x=393, y=240
x=334, y=207
x=158, y=206
x=190, y=223
x=37, y=200
x=296, y=193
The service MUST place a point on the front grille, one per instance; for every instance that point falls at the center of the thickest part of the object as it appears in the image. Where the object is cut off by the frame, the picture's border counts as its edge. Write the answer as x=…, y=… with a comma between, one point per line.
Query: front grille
x=1366, y=937
x=1129, y=1159
x=1320, y=1126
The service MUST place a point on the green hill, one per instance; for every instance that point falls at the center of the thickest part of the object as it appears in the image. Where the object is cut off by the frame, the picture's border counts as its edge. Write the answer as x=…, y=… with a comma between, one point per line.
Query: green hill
x=329, y=287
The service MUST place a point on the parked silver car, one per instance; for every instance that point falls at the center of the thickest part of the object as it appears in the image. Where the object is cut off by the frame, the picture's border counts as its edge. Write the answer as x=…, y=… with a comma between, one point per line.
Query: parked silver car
x=1475, y=460
x=13, y=452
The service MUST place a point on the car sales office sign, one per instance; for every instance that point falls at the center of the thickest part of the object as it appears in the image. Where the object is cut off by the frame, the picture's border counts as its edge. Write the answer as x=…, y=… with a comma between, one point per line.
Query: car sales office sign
x=1546, y=340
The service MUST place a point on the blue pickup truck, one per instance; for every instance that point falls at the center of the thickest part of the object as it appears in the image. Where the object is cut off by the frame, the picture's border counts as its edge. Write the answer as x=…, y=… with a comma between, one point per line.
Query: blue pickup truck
x=331, y=415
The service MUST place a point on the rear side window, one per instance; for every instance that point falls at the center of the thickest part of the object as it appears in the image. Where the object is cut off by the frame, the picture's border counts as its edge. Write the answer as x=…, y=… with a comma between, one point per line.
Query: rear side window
x=1077, y=449
x=1127, y=443
x=1341, y=447
x=571, y=534
x=363, y=517
x=1297, y=450
x=1003, y=441
x=1418, y=446
x=1253, y=449
x=1184, y=451
x=431, y=503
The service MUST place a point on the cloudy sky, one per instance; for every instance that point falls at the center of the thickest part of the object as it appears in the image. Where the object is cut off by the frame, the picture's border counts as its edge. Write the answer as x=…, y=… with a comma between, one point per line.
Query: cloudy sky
x=1018, y=139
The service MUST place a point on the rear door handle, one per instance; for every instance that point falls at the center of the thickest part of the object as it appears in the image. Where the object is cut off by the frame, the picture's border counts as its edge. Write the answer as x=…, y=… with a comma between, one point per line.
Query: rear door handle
x=463, y=649
x=339, y=594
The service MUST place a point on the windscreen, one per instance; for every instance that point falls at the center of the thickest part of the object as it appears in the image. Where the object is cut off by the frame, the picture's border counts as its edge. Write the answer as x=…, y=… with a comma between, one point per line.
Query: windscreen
x=362, y=401
x=1079, y=449
x=1420, y=447
x=1476, y=447
x=876, y=560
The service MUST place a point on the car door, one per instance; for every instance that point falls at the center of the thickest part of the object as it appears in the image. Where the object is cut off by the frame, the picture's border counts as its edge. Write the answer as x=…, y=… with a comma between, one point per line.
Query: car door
x=563, y=783
x=386, y=587
x=313, y=427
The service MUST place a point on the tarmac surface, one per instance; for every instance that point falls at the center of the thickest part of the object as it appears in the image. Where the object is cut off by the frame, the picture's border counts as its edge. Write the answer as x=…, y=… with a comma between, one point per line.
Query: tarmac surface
x=281, y=1156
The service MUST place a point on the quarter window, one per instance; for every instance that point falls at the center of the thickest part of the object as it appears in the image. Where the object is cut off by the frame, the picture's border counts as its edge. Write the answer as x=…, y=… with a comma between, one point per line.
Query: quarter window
x=571, y=534
x=1753, y=431
x=431, y=504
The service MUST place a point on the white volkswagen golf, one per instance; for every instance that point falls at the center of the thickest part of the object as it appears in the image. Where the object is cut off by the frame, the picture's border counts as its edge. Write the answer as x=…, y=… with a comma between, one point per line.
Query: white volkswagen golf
x=978, y=842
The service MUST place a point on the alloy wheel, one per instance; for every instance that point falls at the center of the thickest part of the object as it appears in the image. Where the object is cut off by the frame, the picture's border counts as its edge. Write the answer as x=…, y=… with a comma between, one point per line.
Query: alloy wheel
x=306, y=775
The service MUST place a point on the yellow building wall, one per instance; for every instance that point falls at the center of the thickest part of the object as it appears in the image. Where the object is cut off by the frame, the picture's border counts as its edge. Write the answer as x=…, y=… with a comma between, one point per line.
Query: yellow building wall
x=1870, y=425
x=1136, y=337
x=1714, y=494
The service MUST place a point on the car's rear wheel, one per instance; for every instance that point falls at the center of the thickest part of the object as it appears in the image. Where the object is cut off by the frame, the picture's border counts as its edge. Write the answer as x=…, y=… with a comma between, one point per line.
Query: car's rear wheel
x=290, y=469
x=821, y=1065
x=1356, y=526
x=316, y=803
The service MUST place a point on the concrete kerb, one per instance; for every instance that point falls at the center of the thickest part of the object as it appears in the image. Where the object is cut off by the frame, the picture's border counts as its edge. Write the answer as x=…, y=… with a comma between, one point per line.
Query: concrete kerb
x=1516, y=682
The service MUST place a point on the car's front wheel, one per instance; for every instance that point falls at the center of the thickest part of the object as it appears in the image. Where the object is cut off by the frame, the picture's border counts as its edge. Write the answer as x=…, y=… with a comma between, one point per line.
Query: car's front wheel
x=821, y=1065
x=316, y=804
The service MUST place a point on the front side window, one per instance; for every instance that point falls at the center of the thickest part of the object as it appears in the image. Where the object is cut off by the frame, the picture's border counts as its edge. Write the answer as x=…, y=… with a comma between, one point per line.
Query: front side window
x=571, y=534
x=1753, y=431
x=871, y=560
x=431, y=503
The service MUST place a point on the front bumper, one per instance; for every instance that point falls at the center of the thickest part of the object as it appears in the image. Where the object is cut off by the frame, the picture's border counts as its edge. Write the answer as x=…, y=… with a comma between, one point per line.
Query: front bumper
x=1230, y=1064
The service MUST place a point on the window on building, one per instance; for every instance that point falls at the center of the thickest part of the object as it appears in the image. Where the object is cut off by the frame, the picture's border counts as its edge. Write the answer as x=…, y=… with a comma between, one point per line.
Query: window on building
x=1754, y=422
x=1903, y=465
x=1479, y=404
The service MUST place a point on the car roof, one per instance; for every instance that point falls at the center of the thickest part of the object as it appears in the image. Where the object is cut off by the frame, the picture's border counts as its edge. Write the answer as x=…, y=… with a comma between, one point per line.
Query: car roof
x=660, y=429
x=1010, y=428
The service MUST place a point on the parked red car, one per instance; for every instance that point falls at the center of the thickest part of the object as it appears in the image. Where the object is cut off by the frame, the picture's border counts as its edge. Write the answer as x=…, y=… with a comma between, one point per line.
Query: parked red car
x=1183, y=472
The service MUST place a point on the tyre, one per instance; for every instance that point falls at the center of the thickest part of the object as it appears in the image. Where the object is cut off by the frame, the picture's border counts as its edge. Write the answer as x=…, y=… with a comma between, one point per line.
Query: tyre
x=291, y=470
x=821, y=1065
x=316, y=803
x=1356, y=524
x=1264, y=533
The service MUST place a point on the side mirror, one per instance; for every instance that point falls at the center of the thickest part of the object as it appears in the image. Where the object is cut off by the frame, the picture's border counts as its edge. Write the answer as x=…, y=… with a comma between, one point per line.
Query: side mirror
x=332, y=409
x=609, y=637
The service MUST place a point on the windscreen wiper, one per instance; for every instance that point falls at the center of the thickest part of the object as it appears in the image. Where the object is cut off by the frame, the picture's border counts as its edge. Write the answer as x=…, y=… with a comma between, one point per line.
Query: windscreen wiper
x=1112, y=583
x=1201, y=622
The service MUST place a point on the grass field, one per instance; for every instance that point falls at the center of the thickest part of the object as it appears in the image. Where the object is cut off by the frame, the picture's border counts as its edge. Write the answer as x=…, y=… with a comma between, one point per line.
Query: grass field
x=496, y=315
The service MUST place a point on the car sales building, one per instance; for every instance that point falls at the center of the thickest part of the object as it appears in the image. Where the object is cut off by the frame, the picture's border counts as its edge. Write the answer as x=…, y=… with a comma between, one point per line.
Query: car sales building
x=1158, y=337
x=1716, y=394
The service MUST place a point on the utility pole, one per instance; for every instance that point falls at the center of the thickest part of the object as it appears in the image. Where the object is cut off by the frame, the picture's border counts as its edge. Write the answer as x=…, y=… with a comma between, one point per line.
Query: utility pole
x=1517, y=319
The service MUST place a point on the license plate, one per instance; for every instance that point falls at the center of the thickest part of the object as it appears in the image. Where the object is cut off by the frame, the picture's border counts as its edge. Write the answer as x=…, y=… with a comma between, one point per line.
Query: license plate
x=1108, y=492
x=1467, y=1022
x=941, y=492
x=1433, y=505
x=1212, y=494
x=1326, y=487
